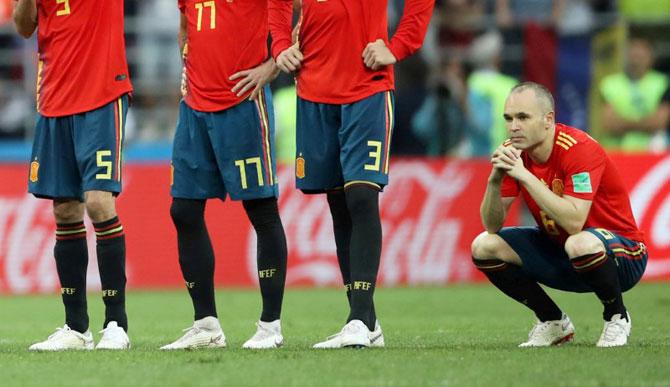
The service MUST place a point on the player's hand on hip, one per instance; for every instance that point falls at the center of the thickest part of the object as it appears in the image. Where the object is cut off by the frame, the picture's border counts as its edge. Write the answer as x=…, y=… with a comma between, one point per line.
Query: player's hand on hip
x=255, y=78
x=290, y=59
x=376, y=55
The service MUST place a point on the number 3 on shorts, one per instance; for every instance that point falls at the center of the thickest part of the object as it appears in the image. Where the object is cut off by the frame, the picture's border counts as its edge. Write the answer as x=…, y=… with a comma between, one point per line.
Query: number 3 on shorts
x=106, y=164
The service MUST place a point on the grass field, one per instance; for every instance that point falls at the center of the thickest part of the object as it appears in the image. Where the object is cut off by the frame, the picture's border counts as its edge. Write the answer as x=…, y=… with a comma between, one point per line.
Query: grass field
x=462, y=335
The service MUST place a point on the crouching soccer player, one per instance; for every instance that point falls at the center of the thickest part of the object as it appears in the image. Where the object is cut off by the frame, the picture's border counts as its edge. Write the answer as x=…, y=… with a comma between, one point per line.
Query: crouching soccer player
x=224, y=146
x=82, y=87
x=586, y=239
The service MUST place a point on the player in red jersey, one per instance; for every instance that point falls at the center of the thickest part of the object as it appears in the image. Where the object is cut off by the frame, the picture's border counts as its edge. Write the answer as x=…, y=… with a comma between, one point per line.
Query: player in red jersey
x=224, y=146
x=343, y=61
x=586, y=239
x=82, y=101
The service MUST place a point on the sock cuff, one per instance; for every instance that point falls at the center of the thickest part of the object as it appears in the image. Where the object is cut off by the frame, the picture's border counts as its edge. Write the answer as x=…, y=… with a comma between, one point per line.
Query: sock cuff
x=489, y=265
x=588, y=262
x=108, y=229
x=67, y=231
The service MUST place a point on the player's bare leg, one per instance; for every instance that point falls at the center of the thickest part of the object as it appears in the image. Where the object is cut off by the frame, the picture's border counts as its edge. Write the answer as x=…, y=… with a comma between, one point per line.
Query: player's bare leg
x=502, y=266
x=111, y=251
x=592, y=264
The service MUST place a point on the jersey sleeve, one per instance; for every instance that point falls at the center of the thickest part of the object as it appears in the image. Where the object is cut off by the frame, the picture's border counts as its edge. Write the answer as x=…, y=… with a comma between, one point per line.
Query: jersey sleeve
x=280, y=17
x=181, y=4
x=509, y=187
x=412, y=28
x=583, y=168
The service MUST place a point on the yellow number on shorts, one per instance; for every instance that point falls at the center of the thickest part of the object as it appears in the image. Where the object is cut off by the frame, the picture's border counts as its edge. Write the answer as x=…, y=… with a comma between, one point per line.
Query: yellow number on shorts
x=66, y=8
x=375, y=154
x=241, y=164
x=212, y=14
x=549, y=224
x=103, y=164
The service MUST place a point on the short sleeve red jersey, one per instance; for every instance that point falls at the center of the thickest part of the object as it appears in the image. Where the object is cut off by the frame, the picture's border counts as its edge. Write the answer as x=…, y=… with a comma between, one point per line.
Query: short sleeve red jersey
x=333, y=34
x=222, y=38
x=579, y=167
x=82, y=55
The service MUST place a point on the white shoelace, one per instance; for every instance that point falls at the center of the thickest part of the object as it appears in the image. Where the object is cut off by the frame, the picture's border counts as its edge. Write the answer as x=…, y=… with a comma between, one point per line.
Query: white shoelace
x=612, y=330
x=59, y=331
x=263, y=332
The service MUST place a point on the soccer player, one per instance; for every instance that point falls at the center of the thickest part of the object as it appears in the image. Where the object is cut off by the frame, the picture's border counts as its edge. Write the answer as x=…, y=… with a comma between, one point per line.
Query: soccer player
x=343, y=61
x=224, y=146
x=586, y=239
x=82, y=101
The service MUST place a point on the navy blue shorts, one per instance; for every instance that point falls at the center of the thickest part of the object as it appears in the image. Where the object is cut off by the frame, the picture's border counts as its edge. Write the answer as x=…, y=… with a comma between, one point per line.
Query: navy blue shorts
x=338, y=144
x=547, y=262
x=229, y=152
x=78, y=153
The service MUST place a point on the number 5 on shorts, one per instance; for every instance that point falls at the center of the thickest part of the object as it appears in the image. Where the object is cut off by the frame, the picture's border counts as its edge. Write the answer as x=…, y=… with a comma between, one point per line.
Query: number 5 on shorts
x=106, y=164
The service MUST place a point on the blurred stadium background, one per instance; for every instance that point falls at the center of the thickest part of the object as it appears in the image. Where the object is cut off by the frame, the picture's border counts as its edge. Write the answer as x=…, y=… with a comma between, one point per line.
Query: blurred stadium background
x=449, y=99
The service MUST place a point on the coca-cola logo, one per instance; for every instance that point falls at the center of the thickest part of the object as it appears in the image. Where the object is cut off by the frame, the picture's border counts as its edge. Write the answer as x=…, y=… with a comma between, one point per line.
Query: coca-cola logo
x=650, y=201
x=420, y=242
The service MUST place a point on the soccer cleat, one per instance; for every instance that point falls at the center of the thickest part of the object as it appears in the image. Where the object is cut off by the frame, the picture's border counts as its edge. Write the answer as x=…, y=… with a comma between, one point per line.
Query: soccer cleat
x=354, y=334
x=377, y=336
x=616, y=331
x=205, y=333
x=268, y=335
x=548, y=333
x=65, y=339
x=113, y=337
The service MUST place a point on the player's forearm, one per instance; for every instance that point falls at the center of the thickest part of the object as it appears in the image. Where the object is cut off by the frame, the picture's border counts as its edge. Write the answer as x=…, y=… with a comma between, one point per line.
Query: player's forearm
x=412, y=28
x=25, y=17
x=280, y=16
x=557, y=208
x=492, y=210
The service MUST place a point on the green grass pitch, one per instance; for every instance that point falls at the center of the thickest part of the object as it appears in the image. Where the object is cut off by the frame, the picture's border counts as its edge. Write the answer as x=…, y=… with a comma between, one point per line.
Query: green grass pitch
x=452, y=336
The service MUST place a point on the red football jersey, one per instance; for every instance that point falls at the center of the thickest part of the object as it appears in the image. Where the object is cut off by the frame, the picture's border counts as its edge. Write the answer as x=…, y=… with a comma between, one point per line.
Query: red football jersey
x=222, y=38
x=82, y=55
x=579, y=167
x=332, y=36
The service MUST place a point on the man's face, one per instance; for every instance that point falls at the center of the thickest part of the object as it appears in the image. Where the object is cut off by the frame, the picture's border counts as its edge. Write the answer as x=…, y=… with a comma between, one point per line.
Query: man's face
x=525, y=119
x=640, y=58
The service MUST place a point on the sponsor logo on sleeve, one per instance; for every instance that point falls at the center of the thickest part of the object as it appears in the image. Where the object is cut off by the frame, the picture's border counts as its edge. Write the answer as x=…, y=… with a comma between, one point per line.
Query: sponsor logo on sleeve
x=582, y=182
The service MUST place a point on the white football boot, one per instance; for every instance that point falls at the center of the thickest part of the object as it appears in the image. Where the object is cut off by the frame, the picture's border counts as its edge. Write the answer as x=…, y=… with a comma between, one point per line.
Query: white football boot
x=65, y=339
x=615, y=332
x=205, y=333
x=113, y=337
x=548, y=333
x=377, y=336
x=268, y=335
x=354, y=334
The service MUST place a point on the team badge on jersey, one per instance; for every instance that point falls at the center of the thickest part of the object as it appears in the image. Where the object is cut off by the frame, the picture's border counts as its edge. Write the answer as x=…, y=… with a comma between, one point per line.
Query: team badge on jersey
x=557, y=187
x=300, y=167
x=34, y=169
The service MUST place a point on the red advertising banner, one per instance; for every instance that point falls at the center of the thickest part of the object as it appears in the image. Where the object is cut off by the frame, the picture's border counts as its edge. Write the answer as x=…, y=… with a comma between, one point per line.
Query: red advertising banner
x=430, y=214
